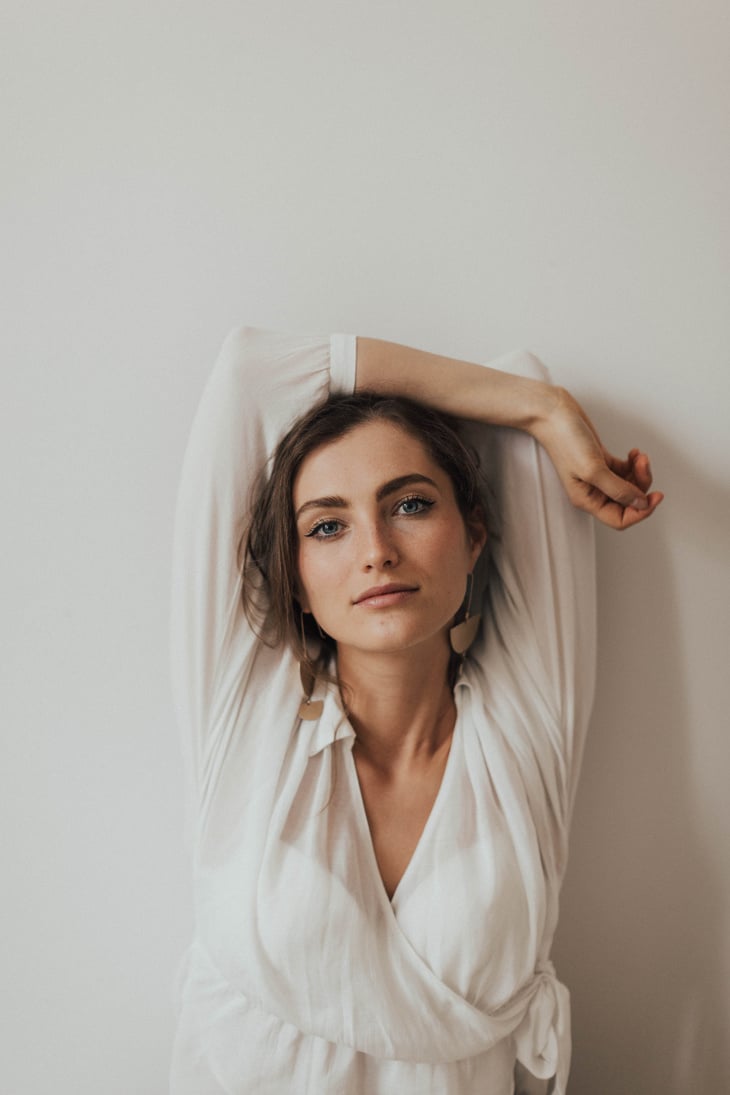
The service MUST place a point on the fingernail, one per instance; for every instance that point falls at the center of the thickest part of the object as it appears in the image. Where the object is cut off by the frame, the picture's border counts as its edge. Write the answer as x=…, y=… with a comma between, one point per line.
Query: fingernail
x=639, y=503
x=648, y=466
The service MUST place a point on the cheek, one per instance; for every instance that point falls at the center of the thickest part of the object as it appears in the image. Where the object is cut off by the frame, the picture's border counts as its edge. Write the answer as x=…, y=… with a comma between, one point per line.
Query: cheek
x=316, y=576
x=463, y=557
x=454, y=548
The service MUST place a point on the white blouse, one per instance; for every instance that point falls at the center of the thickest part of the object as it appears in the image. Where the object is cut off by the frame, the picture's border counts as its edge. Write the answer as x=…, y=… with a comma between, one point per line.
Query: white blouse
x=303, y=976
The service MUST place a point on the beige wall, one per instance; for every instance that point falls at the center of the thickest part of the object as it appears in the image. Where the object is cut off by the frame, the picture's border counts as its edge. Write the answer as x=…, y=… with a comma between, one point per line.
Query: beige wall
x=469, y=177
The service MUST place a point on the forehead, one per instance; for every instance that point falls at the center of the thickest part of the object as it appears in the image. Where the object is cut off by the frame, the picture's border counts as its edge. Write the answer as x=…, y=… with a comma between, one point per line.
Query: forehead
x=367, y=456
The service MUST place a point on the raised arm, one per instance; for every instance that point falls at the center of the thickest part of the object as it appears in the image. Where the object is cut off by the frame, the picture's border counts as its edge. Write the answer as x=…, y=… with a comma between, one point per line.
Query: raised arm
x=261, y=383
x=613, y=490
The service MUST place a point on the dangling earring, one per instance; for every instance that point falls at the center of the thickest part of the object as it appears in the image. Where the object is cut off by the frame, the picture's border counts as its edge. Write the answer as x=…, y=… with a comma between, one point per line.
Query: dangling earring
x=462, y=635
x=309, y=709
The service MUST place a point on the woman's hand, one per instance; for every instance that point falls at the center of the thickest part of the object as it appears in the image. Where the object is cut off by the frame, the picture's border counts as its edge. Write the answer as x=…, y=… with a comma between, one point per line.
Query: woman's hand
x=614, y=491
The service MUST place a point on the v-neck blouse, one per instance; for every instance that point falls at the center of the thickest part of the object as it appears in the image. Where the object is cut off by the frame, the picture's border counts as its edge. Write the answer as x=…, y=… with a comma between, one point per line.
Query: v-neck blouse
x=432, y=821
x=303, y=975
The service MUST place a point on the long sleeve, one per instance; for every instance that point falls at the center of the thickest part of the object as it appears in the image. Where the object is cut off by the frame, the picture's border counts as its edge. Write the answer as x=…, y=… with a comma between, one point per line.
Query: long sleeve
x=534, y=669
x=261, y=383
x=302, y=971
x=539, y=641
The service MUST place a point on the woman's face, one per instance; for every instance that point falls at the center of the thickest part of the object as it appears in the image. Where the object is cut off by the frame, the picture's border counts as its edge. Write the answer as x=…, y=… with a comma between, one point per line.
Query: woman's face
x=384, y=551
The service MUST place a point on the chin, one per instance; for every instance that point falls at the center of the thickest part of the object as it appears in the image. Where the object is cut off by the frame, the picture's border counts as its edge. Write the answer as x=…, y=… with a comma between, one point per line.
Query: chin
x=416, y=640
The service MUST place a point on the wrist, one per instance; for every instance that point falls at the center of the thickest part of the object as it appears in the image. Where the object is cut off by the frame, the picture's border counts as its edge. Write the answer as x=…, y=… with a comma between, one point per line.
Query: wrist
x=543, y=407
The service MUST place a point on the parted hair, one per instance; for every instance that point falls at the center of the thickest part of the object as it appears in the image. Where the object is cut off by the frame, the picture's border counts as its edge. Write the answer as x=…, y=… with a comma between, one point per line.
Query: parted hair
x=268, y=550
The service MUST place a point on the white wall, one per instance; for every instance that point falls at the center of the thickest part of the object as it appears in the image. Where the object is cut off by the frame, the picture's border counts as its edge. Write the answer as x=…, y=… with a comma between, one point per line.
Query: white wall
x=465, y=176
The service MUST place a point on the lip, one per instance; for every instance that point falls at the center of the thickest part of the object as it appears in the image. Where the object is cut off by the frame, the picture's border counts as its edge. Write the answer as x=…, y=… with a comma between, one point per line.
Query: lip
x=385, y=595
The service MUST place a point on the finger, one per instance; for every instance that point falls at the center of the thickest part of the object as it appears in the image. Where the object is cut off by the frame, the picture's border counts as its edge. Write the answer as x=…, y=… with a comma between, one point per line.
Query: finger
x=617, y=488
x=634, y=463
x=642, y=471
x=631, y=516
x=615, y=516
x=622, y=468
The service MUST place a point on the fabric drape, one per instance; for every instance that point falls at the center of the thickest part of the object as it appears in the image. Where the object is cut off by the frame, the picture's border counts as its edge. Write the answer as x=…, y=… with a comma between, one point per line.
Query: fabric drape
x=303, y=975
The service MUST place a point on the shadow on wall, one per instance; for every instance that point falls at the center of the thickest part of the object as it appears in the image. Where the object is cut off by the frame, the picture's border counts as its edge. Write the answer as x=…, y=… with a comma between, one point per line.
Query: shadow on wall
x=641, y=940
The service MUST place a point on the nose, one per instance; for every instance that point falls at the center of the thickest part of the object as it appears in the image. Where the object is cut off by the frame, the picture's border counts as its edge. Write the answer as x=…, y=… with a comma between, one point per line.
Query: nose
x=379, y=549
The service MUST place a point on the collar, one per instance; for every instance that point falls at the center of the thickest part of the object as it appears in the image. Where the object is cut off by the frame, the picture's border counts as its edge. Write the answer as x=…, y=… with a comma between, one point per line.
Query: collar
x=333, y=724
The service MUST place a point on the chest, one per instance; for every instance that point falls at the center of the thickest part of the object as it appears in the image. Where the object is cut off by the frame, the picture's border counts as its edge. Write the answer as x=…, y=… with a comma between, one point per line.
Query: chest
x=397, y=811
x=450, y=850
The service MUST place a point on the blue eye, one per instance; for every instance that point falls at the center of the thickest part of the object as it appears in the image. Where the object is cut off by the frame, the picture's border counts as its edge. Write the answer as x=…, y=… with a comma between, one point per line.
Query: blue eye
x=324, y=530
x=409, y=507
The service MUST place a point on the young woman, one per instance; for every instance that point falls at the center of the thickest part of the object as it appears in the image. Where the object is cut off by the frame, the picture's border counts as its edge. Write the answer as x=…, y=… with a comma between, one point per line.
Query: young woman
x=381, y=788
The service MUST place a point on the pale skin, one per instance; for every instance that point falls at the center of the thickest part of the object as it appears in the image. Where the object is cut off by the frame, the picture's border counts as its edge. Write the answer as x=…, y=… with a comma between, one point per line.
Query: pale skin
x=357, y=534
x=373, y=511
x=612, y=489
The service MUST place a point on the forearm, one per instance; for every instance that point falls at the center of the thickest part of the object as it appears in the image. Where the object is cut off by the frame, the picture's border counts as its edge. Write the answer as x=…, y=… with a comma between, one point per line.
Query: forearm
x=456, y=387
x=612, y=489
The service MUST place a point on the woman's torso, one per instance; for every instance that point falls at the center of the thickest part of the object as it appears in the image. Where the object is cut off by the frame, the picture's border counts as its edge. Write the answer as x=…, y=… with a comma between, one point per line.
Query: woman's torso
x=302, y=968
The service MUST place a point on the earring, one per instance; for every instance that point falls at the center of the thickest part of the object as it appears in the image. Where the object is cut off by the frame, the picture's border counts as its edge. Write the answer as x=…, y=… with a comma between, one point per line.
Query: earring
x=462, y=635
x=309, y=709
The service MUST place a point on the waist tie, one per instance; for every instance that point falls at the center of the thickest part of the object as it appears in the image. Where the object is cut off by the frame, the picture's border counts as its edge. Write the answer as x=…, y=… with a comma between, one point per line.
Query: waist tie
x=542, y=1038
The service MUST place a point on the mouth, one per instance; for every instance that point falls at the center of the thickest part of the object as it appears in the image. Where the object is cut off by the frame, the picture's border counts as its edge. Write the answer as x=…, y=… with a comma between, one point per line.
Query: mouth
x=390, y=594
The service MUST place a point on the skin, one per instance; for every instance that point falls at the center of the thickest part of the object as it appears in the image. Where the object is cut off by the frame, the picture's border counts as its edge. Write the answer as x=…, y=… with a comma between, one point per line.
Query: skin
x=393, y=652
x=362, y=526
x=613, y=490
x=401, y=747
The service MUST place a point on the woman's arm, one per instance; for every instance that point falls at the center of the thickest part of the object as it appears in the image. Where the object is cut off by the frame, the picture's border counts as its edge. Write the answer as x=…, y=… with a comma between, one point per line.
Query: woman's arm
x=613, y=490
x=261, y=383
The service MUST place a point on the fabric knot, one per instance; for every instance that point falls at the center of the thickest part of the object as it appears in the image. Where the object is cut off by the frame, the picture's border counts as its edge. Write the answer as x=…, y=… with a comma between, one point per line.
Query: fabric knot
x=542, y=1038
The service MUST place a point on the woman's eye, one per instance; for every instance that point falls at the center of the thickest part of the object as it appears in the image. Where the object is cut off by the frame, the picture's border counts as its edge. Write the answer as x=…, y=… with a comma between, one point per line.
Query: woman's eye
x=413, y=505
x=324, y=530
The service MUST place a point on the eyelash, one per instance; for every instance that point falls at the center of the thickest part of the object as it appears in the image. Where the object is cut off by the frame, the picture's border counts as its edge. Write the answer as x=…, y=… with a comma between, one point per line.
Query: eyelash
x=314, y=532
x=425, y=503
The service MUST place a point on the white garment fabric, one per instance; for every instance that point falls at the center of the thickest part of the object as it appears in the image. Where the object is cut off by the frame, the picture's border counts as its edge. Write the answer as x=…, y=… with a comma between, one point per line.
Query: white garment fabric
x=303, y=976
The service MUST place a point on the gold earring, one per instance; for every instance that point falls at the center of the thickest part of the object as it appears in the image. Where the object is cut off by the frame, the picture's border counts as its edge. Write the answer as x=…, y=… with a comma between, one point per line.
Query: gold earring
x=463, y=634
x=309, y=709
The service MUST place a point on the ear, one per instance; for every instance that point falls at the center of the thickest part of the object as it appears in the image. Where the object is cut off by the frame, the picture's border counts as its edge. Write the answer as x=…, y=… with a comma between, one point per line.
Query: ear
x=477, y=534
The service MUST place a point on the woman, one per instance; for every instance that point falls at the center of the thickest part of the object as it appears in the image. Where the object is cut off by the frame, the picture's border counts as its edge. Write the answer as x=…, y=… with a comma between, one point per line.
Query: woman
x=380, y=794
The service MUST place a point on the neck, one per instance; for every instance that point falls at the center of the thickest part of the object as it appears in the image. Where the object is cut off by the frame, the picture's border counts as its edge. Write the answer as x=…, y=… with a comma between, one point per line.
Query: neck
x=400, y=704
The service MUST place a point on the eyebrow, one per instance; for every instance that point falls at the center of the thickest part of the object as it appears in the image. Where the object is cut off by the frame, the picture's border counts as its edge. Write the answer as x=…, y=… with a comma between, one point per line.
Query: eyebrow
x=336, y=501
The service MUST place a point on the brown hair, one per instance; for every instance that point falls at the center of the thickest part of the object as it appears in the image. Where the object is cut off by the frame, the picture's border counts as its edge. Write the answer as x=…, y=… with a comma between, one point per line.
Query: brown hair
x=268, y=550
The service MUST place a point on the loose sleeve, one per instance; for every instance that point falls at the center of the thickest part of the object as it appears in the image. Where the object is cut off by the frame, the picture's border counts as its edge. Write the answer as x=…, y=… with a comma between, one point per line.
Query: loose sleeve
x=260, y=384
x=537, y=654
